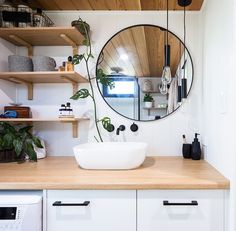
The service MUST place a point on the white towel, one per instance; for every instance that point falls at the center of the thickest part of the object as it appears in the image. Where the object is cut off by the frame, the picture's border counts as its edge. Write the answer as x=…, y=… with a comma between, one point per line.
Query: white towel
x=173, y=94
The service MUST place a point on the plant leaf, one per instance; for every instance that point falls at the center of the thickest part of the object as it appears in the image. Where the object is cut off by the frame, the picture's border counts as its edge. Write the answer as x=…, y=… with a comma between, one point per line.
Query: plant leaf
x=107, y=125
x=110, y=128
x=81, y=94
x=29, y=150
x=77, y=59
x=37, y=142
x=86, y=42
x=8, y=140
x=7, y=127
x=104, y=79
x=18, y=146
x=25, y=129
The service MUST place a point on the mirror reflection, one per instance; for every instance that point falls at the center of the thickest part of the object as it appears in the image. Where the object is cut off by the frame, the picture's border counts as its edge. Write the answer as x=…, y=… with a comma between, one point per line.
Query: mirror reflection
x=134, y=60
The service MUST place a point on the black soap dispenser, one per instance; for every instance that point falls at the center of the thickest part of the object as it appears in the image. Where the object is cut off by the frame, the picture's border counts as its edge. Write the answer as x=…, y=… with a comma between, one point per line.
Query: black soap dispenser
x=196, y=148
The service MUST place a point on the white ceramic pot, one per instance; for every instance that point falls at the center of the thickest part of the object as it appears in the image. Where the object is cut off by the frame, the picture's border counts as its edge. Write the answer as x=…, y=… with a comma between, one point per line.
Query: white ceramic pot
x=148, y=104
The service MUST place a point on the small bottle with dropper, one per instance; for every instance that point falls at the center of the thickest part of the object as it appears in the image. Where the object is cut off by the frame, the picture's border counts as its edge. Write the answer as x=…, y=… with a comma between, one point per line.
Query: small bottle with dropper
x=69, y=64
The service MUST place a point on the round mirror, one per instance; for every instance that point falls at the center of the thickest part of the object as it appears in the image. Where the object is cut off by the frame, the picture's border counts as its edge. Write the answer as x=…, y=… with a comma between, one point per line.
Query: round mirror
x=132, y=69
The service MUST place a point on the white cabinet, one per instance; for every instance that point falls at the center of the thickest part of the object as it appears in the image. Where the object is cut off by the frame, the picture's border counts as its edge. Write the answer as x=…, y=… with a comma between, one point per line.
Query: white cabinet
x=91, y=210
x=180, y=210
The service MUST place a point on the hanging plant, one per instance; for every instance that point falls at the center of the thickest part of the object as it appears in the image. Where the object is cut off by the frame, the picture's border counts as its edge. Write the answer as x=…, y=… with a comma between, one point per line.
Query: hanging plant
x=102, y=78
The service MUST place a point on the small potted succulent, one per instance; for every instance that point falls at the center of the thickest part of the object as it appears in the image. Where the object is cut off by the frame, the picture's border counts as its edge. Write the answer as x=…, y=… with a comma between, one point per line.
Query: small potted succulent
x=17, y=143
x=148, y=100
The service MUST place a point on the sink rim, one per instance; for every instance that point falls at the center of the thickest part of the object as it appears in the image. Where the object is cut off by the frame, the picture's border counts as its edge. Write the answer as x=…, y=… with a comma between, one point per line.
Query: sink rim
x=110, y=155
x=102, y=145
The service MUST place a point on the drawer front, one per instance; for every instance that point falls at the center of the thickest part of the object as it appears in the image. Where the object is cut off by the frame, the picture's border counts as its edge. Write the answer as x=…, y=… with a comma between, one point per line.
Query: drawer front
x=160, y=210
x=90, y=210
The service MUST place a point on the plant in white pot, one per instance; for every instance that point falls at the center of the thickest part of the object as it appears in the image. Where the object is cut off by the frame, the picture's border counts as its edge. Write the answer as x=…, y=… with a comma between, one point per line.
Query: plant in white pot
x=148, y=100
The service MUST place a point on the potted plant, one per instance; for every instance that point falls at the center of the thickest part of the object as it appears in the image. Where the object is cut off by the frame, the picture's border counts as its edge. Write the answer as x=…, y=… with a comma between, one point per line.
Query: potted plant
x=16, y=143
x=148, y=100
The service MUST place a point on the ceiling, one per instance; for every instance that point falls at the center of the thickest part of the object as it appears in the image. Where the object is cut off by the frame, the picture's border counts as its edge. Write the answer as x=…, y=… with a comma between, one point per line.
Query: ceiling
x=143, y=47
x=108, y=4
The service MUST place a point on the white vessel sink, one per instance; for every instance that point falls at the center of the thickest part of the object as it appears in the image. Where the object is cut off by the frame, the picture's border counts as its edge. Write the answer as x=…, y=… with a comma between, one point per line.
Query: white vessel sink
x=110, y=155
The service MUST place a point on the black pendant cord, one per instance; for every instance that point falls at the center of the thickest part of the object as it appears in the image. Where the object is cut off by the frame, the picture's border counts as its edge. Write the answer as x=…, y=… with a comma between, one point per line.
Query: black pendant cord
x=167, y=33
x=184, y=36
x=180, y=58
x=179, y=88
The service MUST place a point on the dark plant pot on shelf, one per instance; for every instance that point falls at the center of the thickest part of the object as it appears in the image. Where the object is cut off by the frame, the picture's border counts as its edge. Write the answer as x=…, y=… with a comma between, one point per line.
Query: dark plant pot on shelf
x=81, y=26
x=10, y=156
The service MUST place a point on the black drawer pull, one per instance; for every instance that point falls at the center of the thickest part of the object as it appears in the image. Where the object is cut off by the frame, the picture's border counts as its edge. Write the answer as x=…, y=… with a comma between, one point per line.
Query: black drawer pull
x=193, y=203
x=59, y=203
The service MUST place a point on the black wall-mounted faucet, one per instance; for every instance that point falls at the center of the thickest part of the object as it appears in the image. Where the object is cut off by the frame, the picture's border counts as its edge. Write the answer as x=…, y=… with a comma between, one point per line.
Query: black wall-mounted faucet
x=120, y=128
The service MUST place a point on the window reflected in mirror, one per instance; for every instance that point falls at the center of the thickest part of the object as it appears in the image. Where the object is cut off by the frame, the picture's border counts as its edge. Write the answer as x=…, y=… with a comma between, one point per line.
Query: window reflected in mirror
x=133, y=59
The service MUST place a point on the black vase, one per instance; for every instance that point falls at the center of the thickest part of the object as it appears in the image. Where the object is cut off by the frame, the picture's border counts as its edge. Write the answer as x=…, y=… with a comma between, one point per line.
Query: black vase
x=187, y=151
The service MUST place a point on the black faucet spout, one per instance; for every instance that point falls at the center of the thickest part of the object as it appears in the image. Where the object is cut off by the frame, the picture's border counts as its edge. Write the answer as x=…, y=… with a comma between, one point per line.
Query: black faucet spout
x=120, y=128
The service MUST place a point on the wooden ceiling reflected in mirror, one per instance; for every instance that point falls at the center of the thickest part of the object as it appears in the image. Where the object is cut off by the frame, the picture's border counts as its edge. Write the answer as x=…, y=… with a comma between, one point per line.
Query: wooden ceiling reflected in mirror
x=108, y=4
x=139, y=51
x=133, y=60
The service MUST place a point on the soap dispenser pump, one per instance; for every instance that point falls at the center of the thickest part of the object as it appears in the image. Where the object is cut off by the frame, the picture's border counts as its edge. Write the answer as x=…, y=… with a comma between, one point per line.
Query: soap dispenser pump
x=196, y=148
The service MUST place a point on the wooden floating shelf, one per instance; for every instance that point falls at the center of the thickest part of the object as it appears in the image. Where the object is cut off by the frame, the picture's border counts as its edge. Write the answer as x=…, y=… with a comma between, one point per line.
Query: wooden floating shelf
x=42, y=119
x=43, y=36
x=29, y=78
x=73, y=121
x=151, y=92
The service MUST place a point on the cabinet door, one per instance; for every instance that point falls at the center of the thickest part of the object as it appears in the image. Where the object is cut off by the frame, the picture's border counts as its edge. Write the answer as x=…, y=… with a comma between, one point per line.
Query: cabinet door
x=171, y=210
x=91, y=210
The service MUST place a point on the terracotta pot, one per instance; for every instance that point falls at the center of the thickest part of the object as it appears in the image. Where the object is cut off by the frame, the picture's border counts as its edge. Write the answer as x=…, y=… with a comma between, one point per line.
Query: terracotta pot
x=9, y=156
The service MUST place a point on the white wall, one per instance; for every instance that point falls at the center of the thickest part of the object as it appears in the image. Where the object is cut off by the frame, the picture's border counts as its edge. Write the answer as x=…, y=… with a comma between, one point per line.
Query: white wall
x=164, y=136
x=7, y=90
x=218, y=22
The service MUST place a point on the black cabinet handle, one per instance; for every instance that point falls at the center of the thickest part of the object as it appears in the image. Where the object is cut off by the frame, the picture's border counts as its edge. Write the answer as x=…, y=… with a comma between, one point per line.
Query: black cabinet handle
x=192, y=203
x=59, y=203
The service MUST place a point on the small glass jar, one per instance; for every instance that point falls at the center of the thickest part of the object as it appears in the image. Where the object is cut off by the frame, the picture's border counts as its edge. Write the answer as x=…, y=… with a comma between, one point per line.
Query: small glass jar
x=24, y=8
x=9, y=8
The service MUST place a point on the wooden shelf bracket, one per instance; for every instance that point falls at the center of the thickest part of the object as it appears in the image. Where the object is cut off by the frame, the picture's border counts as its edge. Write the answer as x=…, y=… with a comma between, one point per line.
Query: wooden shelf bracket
x=29, y=85
x=74, y=127
x=74, y=83
x=23, y=43
x=70, y=42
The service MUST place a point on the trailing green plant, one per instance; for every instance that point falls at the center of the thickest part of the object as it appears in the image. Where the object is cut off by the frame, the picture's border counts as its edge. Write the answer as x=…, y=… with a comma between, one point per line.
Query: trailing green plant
x=147, y=98
x=101, y=77
x=19, y=139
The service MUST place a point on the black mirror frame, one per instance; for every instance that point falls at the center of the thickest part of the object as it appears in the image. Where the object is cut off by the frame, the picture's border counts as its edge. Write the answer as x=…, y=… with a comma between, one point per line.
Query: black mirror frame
x=101, y=53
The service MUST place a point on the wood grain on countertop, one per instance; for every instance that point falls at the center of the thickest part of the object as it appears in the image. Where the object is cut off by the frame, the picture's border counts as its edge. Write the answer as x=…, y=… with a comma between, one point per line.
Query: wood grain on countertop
x=155, y=173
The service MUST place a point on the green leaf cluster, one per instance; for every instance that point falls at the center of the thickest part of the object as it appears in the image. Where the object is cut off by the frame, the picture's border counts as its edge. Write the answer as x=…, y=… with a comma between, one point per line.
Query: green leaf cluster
x=77, y=59
x=19, y=139
x=147, y=98
x=104, y=79
x=81, y=94
x=107, y=125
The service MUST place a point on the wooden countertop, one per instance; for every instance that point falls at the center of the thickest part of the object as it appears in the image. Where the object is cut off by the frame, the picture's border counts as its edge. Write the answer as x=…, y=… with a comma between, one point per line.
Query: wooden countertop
x=155, y=173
